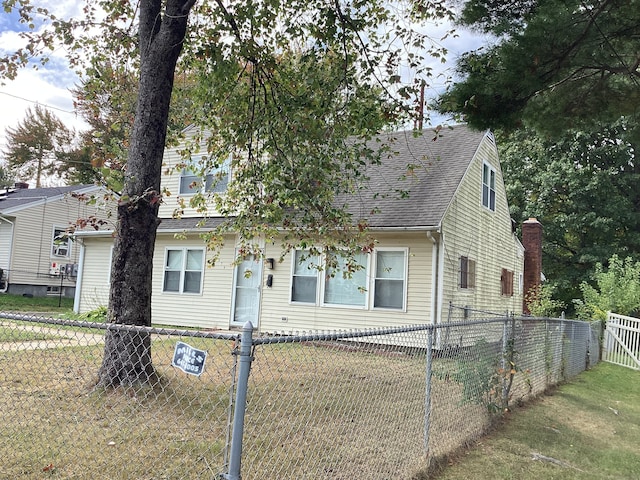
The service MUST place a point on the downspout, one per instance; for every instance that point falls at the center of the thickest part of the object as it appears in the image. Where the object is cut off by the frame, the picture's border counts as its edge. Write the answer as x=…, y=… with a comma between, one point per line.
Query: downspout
x=77, y=296
x=435, y=275
x=13, y=230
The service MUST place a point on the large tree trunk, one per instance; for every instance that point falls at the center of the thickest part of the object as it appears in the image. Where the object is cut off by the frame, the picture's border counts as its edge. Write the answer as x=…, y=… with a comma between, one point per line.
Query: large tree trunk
x=127, y=352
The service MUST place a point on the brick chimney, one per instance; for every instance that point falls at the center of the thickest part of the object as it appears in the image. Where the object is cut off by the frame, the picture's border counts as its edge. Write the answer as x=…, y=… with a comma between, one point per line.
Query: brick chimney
x=532, y=242
x=21, y=185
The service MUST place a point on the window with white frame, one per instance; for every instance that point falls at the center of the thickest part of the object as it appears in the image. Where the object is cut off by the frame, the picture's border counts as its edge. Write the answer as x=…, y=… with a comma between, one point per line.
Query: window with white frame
x=304, y=281
x=488, y=187
x=215, y=180
x=61, y=244
x=390, y=279
x=386, y=288
x=341, y=288
x=183, y=270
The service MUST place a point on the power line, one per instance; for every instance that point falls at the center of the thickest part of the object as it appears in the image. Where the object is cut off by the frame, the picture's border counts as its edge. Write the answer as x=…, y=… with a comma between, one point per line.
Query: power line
x=35, y=102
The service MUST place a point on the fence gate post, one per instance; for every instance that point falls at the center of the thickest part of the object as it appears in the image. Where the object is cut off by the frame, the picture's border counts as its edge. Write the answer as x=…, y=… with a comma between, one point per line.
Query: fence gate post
x=244, y=362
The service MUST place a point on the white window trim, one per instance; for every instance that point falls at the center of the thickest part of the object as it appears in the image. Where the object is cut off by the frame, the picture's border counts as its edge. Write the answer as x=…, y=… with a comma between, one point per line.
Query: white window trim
x=292, y=274
x=203, y=188
x=182, y=270
x=491, y=171
x=366, y=286
x=405, y=277
x=53, y=245
x=369, y=286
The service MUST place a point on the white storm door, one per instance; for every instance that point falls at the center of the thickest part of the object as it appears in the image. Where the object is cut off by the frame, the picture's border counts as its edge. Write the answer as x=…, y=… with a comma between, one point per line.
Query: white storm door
x=247, y=280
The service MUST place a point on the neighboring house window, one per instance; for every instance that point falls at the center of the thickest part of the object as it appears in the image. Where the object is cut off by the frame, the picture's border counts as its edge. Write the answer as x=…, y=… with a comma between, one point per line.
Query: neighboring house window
x=304, y=282
x=215, y=181
x=488, y=187
x=467, y=273
x=61, y=245
x=183, y=270
x=390, y=279
x=506, y=282
x=388, y=284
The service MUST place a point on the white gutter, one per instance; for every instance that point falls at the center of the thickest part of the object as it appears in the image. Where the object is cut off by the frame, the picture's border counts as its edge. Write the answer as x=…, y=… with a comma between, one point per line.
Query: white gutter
x=13, y=228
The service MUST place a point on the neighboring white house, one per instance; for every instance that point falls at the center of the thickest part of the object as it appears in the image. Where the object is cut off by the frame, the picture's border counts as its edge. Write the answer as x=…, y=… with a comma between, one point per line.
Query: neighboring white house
x=36, y=256
x=451, y=239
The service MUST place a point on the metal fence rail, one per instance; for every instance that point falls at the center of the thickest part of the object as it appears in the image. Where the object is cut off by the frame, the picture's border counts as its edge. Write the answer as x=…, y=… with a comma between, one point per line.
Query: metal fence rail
x=376, y=404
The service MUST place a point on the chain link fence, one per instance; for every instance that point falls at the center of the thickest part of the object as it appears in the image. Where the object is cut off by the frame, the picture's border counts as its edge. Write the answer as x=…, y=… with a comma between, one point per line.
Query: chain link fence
x=376, y=404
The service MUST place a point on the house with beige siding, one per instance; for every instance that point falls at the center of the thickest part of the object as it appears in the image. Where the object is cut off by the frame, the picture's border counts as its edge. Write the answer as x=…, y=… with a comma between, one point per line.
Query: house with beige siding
x=37, y=257
x=447, y=238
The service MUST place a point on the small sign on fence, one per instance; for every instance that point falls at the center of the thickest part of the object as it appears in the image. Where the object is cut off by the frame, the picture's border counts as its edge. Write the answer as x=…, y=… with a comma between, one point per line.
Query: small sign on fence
x=188, y=359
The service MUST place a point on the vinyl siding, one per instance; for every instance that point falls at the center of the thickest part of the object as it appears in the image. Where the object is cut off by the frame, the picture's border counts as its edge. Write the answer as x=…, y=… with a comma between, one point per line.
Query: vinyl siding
x=301, y=317
x=33, y=236
x=485, y=236
x=170, y=180
x=211, y=309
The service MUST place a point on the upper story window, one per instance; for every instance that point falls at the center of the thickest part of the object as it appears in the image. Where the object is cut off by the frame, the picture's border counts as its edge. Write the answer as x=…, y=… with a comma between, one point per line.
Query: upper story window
x=488, y=187
x=467, y=273
x=215, y=181
x=183, y=270
x=61, y=243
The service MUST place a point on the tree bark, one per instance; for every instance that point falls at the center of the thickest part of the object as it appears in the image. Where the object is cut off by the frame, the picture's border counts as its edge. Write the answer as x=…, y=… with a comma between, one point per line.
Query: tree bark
x=127, y=352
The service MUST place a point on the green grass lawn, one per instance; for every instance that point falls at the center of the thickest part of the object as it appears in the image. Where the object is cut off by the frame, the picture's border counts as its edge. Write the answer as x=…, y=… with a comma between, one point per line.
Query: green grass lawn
x=18, y=303
x=587, y=429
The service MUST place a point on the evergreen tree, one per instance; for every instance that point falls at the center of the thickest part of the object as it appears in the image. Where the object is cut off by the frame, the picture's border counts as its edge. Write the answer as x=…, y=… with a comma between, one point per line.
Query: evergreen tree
x=555, y=65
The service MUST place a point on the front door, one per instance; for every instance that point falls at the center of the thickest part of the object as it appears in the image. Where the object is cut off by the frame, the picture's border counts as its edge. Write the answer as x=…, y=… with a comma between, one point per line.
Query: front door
x=247, y=281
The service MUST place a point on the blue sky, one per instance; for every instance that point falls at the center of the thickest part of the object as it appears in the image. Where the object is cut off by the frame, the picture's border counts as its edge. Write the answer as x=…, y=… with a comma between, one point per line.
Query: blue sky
x=49, y=85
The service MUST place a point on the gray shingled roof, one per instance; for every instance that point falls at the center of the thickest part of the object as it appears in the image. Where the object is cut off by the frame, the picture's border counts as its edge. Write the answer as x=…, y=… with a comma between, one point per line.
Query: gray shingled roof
x=393, y=197
x=24, y=197
x=419, y=196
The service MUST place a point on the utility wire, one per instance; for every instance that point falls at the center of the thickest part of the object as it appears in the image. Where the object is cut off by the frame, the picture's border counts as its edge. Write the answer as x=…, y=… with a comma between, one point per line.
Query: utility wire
x=35, y=102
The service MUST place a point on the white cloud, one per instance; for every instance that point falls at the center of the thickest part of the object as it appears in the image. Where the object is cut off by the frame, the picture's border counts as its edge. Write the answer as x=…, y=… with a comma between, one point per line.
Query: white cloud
x=32, y=87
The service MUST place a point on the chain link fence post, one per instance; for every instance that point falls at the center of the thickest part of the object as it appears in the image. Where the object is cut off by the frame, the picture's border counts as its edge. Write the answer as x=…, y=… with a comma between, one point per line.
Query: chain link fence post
x=245, y=359
x=427, y=402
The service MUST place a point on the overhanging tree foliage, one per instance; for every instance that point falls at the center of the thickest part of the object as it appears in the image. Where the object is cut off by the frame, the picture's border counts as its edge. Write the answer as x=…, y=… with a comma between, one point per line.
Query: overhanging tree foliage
x=290, y=90
x=555, y=64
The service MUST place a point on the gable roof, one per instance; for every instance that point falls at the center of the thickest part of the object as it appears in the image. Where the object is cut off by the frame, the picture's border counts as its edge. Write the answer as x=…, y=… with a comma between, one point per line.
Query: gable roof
x=12, y=201
x=414, y=184
x=411, y=188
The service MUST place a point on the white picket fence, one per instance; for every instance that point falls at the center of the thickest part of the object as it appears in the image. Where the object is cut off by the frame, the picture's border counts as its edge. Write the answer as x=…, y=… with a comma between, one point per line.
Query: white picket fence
x=622, y=341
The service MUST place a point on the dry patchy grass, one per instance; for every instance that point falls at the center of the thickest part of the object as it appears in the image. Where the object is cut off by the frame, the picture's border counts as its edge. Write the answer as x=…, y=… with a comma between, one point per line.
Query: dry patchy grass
x=587, y=429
